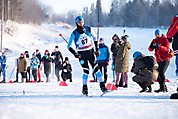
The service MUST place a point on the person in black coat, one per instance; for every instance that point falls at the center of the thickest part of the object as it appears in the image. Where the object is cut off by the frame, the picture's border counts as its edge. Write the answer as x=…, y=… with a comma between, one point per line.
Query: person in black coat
x=47, y=64
x=66, y=70
x=58, y=59
x=114, y=51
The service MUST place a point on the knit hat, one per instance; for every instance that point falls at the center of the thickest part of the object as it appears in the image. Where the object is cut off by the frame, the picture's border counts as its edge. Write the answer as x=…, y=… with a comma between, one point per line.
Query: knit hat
x=157, y=31
x=136, y=54
x=47, y=51
x=115, y=35
x=3, y=53
x=56, y=46
x=102, y=39
x=124, y=38
x=66, y=59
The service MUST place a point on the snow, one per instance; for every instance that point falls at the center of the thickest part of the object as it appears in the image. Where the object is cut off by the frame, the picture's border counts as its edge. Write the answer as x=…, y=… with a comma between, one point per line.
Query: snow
x=49, y=100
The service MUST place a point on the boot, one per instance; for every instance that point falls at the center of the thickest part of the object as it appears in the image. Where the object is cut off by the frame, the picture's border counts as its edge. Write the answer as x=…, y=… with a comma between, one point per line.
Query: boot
x=142, y=85
x=125, y=86
x=85, y=90
x=149, y=89
x=102, y=87
x=3, y=81
x=16, y=81
x=39, y=80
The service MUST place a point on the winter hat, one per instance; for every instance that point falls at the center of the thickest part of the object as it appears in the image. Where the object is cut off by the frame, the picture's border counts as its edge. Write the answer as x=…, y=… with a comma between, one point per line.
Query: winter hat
x=157, y=31
x=26, y=51
x=47, y=51
x=37, y=49
x=78, y=19
x=34, y=54
x=3, y=53
x=136, y=54
x=56, y=46
x=124, y=38
x=102, y=39
x=66, y=59
x=115, y=35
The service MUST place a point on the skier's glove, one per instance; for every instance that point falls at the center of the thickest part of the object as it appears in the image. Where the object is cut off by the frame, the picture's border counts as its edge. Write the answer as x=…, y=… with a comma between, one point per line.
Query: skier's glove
x=97, y=52
x=77, y=55
x=107, y=62
x=74, y=53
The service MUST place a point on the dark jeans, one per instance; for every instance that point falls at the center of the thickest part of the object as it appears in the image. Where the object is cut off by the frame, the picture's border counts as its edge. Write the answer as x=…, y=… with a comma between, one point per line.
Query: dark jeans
x=34, y=73
x=161, y=77
x=104, y=66
x=57, y=69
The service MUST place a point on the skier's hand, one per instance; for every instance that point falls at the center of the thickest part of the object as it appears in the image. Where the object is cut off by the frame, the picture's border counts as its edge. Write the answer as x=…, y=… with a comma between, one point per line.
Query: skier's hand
x=153, y=45
x=77, y=55
x=107, y=63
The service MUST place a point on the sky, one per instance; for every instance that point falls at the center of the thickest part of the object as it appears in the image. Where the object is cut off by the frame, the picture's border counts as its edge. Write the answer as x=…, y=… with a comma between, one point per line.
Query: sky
x=63, y=6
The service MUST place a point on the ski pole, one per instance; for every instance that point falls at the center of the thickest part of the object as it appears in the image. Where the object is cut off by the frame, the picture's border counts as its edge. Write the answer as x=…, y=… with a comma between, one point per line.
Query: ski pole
x=63, y=38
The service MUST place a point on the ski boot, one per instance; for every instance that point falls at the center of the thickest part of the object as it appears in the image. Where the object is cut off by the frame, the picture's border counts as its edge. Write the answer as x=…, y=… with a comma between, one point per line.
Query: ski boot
x=102, y=87
x=85, y=90
x=149, y=89
x=3, y=81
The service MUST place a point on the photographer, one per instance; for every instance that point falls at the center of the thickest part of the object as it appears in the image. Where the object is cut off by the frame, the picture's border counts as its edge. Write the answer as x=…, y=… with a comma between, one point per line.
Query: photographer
x=161, y=45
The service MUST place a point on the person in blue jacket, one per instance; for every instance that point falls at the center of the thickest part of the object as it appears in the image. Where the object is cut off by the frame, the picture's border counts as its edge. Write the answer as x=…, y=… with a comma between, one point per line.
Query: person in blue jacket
x=83, y=38
x=3, y=67
x=34, y=66
x=103, y=58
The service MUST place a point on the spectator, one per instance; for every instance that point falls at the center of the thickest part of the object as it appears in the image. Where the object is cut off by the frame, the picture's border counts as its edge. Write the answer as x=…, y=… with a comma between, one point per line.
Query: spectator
x=122, y=60
x=22, y=66
x=34, y=66
x=58, y=59
x=114, y=51
x=145, y=77
x=3, y=67
x=38, y=55
x=172, y=35
x=103, y=58
x=47, y=64
x=66, y=70
x=28, y=67
x=161, y=45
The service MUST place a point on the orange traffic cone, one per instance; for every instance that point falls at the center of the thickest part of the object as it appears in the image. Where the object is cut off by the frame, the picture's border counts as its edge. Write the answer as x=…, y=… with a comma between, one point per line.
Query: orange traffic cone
x=10, y=81
x=63, y=83
x=167, y=80
x=33, y=81
x=111, y=86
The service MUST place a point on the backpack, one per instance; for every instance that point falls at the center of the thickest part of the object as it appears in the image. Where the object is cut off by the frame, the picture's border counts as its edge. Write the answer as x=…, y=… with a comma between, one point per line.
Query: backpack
x=150, y=62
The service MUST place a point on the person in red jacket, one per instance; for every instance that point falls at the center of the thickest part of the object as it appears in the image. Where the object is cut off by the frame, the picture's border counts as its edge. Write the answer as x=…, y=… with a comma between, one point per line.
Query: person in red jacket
x=172, y=35
x=161, y=45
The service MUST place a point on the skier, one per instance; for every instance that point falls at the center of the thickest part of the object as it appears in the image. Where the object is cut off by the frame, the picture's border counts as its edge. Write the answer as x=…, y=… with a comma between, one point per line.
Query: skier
x=47, y=64
x=4, y=67
x=122, y=61
x=161, y=45
x=66, y=70
x=114, y=51
x=82, y=36
x=172, y=35
x=144, y=77
x=103, y=58
x=34, y=66
x=58, y=59
x=38, y=55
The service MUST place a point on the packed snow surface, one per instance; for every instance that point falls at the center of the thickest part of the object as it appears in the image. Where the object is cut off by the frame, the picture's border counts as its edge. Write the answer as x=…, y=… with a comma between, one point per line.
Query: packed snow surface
x=51, y=101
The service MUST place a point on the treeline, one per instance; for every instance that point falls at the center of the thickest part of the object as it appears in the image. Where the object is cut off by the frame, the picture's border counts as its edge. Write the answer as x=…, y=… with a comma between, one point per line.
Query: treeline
x=23, y=11
x=133, y=13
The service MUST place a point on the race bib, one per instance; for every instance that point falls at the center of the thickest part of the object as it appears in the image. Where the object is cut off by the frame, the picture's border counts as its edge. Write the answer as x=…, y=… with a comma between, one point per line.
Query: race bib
x=84, y=42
